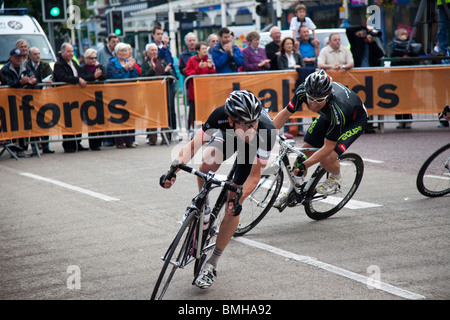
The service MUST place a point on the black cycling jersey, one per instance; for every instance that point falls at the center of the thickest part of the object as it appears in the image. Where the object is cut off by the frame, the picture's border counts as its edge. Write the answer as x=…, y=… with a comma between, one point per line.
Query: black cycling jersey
x=264, y=139
x=342, y=108
x=343, y=119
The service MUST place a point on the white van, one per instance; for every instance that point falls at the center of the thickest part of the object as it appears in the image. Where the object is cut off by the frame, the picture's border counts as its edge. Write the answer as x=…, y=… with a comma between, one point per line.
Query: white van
x=15, y=27
x=321, y=34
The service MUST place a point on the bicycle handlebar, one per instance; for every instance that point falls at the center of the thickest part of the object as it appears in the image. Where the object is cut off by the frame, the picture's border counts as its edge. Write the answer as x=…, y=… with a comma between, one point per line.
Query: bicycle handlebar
x=176, y=165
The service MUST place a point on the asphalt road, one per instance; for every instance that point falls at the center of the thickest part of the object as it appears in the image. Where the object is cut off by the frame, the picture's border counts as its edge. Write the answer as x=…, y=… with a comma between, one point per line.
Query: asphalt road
x=93, y=225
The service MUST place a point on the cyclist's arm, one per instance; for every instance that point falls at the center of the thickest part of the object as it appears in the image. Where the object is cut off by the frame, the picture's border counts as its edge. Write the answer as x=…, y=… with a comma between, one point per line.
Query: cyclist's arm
x=188, y=152
x=281, y=118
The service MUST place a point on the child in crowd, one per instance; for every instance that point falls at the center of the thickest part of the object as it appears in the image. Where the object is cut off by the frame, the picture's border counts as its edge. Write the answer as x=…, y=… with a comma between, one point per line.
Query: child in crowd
x=299, y=20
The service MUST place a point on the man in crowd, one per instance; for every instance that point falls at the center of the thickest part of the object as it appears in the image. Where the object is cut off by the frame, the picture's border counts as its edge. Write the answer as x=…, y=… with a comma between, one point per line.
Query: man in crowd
x=163, y=43
x=366, y=51
x=273, y=47
x=191, y=41
x=335, y=56
x=103, y=57
x=17, y=74
x=41, y=70
x=67, y=70
x=308, y=50
x=107, y=52
x=227, y=57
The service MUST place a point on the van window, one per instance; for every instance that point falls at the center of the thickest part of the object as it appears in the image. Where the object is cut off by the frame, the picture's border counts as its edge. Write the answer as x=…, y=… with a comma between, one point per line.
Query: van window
x=8, y=42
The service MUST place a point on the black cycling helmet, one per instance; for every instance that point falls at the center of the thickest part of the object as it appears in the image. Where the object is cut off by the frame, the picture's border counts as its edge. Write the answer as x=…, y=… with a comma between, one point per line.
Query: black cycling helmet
x=318, y=84
x=242, y=105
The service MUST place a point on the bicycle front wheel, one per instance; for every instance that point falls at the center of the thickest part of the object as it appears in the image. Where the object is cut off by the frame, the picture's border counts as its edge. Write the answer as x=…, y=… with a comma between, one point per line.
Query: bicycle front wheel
x=177, y=256
x=433, y=179
x=259, y=202
x=318, y=206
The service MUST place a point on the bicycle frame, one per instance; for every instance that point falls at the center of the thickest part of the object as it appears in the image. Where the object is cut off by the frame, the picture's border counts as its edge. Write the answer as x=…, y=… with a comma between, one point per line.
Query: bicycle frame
x=287, y=148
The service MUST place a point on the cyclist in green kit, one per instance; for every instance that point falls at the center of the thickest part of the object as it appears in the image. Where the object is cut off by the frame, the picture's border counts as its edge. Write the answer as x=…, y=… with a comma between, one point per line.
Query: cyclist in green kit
x=342, y=119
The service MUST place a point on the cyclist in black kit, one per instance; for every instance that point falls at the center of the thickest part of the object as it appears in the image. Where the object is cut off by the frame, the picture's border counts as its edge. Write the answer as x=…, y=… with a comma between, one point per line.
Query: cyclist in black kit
x=342, y=119
x=241, y=125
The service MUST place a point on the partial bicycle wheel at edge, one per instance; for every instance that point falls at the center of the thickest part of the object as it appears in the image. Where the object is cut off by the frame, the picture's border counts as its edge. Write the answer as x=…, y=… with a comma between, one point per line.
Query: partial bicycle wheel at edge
x=320, y=207
x=259, y=202
x=180, y=250
x=433, y=179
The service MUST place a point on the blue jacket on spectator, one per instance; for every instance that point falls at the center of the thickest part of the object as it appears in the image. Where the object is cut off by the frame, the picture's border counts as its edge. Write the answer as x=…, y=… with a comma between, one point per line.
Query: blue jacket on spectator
x=12, y=78
x=116, y=71
x=222, y=60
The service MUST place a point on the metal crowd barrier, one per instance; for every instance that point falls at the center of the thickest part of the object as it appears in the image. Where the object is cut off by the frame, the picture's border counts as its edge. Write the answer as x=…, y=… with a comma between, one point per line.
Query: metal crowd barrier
x=7, y=144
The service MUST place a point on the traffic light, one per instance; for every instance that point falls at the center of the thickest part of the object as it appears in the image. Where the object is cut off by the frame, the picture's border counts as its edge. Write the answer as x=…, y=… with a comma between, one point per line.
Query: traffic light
x=54, y=10
x=117, y=23
x=263, y=8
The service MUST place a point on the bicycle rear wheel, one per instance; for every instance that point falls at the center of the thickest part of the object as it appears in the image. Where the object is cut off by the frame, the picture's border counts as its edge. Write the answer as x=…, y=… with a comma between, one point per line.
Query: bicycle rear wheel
x=318, y=206
x=433, y=179
x=259, y=202
x=177, y=256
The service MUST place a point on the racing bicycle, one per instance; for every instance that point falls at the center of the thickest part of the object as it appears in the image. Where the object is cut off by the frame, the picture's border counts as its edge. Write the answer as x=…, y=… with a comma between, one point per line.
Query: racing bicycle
x=433, y=179
x=317, y=206
x=193, y=242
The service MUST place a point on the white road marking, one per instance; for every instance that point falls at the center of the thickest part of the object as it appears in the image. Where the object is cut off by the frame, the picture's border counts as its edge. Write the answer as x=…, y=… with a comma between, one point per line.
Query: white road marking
x=436, y=177
x=352, y=204
x=373, y=283
x=373, y=161
x=71, y=187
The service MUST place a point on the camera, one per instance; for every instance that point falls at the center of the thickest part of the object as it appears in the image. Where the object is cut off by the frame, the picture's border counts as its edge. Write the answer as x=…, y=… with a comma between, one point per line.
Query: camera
x=375, y=33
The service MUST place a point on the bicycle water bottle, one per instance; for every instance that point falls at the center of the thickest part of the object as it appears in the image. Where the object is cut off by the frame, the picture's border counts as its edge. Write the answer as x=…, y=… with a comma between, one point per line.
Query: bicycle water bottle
x=206, y=217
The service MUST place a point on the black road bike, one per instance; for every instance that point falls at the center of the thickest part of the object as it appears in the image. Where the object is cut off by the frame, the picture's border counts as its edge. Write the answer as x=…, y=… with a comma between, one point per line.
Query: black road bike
x=194, y=242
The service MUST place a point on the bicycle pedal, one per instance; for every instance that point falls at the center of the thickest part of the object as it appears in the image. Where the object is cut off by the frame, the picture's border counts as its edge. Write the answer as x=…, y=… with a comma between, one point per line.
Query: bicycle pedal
x=282, y=207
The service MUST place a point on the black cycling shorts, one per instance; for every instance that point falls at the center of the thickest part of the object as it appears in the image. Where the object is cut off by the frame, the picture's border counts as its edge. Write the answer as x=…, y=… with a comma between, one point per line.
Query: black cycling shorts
x=228, y=145
x=317, y=132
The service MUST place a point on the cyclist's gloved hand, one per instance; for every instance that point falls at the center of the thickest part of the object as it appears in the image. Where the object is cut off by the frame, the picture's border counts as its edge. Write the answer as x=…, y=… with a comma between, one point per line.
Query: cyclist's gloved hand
x=237, y=207
x=167, y=181
x=301, y=170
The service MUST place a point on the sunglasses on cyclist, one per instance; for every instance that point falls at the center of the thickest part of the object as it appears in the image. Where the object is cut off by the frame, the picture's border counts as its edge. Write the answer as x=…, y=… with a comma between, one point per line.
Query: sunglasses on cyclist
x=247, y=125
x=318, y=100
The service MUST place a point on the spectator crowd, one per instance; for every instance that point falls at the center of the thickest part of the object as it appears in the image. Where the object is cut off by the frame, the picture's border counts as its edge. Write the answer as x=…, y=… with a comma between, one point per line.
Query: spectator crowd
x=219, y=54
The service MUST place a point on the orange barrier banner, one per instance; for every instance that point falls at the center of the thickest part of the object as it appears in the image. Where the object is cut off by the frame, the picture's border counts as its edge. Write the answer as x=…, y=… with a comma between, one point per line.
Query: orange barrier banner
x=383, y=90
x=71, y=109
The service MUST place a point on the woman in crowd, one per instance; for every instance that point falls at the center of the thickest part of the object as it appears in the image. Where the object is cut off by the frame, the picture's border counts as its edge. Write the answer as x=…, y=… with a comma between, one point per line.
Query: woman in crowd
x=289, y=57
x=120, y=67
x=197, y=64
x=92, y=70
x=255, y=58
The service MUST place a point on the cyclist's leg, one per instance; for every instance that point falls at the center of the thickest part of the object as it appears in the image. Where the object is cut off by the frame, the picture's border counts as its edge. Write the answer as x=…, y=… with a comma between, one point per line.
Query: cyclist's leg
x=331, y=163
x=230, y=221
x=213, y=155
